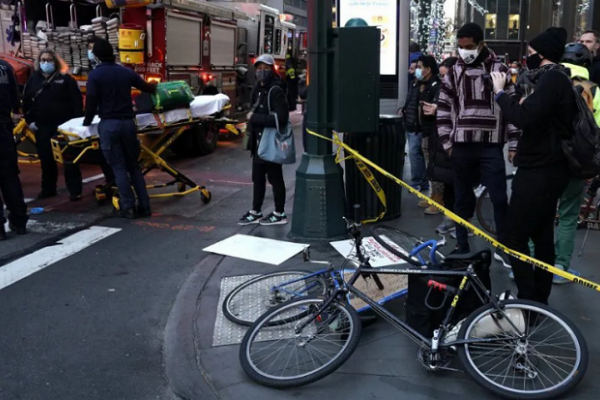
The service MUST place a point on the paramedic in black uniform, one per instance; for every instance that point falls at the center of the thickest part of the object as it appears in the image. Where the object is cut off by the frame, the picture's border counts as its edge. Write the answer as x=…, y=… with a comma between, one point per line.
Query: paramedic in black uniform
x=109, y=93
x=10, y=184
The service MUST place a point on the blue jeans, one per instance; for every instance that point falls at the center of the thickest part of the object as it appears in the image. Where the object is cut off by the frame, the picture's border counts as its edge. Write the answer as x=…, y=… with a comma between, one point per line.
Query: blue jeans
x=121, y=148
x=417, y=161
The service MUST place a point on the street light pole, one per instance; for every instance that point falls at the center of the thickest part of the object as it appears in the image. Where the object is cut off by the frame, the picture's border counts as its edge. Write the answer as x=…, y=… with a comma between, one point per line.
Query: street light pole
x=319, y=202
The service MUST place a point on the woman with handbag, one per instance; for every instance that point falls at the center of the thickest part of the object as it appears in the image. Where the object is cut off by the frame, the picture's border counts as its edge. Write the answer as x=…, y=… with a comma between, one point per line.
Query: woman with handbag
x=270, y=111
x=51, y=98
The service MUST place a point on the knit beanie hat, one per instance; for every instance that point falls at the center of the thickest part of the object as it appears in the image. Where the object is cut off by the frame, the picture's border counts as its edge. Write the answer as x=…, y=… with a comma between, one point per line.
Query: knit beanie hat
x=104, y=50
x=550, y=43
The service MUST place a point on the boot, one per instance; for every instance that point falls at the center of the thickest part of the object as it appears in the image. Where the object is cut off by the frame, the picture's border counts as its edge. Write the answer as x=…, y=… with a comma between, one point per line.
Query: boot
x=423, y=203
x=438, y=198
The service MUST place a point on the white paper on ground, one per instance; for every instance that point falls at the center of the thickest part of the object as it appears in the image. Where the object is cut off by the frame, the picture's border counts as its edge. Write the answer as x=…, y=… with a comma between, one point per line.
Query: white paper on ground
x=379, y=256
x=260, y=250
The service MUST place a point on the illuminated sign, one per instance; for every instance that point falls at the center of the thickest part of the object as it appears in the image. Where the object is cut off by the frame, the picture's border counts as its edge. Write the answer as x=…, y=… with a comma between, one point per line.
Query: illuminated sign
x=380, y=13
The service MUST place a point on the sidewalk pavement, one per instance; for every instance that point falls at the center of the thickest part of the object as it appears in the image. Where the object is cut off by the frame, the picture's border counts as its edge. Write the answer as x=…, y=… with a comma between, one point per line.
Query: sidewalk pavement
x=385, y=364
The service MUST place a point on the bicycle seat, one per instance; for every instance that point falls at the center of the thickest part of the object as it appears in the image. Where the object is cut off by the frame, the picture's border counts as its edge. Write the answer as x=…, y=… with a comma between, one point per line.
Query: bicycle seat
x=473, y=257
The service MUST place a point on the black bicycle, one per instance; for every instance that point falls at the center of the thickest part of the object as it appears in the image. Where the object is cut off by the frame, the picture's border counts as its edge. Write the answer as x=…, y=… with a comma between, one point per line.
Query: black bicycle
x=516, y=349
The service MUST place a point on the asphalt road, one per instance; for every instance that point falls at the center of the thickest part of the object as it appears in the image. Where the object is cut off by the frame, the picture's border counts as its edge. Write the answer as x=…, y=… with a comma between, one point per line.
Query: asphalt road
x=91, y=326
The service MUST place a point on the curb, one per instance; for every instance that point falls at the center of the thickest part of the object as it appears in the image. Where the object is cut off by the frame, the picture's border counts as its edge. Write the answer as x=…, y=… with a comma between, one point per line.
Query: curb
x=187, y=377
x=185, y=373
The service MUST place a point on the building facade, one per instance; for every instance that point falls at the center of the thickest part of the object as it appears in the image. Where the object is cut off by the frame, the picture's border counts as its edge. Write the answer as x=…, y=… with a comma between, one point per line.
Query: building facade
x=510, y=24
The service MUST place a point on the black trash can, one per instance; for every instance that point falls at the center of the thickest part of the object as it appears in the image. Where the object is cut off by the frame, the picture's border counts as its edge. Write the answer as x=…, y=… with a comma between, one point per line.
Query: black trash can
x=385, y=148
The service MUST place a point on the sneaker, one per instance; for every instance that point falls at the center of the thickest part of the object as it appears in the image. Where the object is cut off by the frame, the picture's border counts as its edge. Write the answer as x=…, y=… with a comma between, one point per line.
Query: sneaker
x=274, y=219
x=559, y=280
x=144, y=212
x=432, y=210
x=251, y=217
x=75, y=197
x=503, y=258
x=446, y=226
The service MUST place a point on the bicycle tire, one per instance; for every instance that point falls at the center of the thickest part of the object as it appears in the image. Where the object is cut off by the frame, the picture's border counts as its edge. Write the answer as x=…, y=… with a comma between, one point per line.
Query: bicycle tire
x=401, y=245
x=484, y=222
x=229, y=299
x=538, y=310
x=352, y=338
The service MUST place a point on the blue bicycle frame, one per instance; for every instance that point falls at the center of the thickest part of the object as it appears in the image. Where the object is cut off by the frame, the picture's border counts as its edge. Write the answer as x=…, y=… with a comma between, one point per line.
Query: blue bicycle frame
x=433, y=244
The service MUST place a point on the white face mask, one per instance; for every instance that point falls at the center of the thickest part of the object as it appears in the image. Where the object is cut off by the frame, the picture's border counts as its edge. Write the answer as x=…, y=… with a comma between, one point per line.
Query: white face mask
x=514, y=71
x=468, y=56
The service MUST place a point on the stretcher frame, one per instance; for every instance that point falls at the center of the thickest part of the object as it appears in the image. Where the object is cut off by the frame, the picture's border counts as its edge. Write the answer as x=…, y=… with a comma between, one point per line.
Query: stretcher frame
x=150, y=157
x=22, y=133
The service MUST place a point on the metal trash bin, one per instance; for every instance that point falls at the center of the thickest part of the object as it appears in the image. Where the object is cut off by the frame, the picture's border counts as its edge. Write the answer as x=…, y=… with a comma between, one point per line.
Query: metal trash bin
x=385, y=148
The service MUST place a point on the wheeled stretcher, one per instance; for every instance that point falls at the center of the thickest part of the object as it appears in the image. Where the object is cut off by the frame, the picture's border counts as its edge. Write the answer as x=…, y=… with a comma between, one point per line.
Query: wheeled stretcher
x=157, y=132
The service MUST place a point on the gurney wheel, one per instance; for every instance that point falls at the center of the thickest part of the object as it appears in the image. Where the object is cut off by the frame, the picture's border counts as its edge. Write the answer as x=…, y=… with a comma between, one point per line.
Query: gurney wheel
x=181, y=187
x=205, y=195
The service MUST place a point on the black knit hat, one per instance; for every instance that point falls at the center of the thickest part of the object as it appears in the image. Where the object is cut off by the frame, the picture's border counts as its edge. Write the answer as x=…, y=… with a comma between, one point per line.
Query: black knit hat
x=550, y=43
x=103, y=50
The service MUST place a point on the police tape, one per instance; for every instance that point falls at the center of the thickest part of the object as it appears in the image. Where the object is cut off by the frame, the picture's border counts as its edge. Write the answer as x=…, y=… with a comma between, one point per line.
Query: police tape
x=366, y=172
x=476, y=231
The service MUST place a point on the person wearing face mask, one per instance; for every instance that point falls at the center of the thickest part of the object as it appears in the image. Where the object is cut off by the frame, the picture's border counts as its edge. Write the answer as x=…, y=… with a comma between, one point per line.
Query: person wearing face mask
x=427, y=74
x=546, y=116
x=473, y=131
x=52, y=97
x=411, y=113
x=270, y=102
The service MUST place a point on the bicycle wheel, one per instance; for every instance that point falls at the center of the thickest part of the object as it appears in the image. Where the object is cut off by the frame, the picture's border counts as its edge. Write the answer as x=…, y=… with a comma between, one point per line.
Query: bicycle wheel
x=401, y=244
x=547, y=361
x=244, y=304
x=280, y=357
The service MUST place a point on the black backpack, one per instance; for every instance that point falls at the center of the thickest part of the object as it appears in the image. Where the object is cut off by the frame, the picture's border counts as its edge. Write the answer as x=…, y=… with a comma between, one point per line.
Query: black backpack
x=582, y=148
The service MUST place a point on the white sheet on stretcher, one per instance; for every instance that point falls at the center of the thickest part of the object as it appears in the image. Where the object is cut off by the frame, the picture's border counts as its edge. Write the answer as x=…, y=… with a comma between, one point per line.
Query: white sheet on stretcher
x=202, y=106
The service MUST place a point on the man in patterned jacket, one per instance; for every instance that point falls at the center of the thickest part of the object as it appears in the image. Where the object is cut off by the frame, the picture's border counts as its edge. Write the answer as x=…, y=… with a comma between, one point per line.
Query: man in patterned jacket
x=474, y=132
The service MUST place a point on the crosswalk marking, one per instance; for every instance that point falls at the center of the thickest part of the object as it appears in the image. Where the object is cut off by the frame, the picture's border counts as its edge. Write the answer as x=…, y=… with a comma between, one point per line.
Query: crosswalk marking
x=32, y=263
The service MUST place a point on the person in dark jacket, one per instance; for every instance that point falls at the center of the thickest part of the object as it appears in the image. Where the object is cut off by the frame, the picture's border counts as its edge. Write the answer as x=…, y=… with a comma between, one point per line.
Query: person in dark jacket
x=429, y=88
x=412, y=124
x=109, y=93
x=543, y=175
x=268, y=94
x=591, y=40
x=440, y=166
x=51, y=98
x=10, y=184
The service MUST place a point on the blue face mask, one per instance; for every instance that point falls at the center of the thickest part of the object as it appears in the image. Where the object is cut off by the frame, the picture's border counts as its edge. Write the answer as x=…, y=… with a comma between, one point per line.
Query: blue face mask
x=91, y=56
x=264, y=75
x=419, y=74
x=47, y=67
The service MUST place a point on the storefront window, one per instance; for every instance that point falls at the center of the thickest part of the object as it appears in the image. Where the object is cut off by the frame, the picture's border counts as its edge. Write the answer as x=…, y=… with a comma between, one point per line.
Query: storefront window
x=491, y=20
x=278, y=40
x=514, y=23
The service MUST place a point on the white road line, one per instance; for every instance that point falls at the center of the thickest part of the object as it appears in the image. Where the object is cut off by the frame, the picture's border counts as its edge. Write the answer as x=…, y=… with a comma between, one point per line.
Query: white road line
x=93, y=178
x=32, y=263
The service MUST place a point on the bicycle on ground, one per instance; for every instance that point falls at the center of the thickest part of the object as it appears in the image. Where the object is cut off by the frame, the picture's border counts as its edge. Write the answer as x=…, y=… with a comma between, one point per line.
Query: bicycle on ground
x=516, y=349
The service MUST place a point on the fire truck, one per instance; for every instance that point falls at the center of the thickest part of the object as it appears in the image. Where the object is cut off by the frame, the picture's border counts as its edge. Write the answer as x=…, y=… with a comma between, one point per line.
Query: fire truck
x=264, y=31
x=190, y=40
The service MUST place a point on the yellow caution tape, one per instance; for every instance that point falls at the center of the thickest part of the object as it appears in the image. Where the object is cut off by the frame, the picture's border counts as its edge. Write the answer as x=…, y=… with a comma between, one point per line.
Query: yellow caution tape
x=376, y=187
x=478, y=232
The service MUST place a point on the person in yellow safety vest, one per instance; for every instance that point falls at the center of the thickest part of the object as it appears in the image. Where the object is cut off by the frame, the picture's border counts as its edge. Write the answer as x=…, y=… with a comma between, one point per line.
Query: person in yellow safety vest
x=292, y=82
x=577, y=58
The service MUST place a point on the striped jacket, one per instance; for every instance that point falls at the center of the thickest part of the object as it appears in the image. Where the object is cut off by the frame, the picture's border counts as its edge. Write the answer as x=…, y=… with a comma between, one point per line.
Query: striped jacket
x=467, y=112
